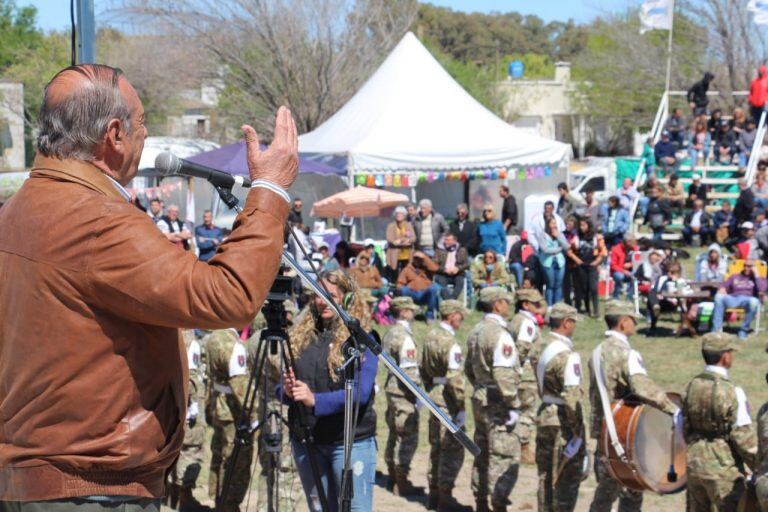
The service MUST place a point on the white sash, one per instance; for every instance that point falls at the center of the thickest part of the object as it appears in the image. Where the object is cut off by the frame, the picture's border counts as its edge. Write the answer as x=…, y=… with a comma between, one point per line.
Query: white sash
x=554, y=348
x=607, y=412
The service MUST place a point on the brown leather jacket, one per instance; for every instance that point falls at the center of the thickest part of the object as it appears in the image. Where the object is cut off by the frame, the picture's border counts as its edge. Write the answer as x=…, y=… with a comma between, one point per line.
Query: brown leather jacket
x=92, y=368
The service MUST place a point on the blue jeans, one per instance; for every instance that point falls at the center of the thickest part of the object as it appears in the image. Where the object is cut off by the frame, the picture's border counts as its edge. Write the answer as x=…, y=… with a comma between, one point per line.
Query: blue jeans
x=723, y=302
x=642, y=203
x=330, y=459
x=619, y=280
x=518, y=269
x=429, y=297
x=554, y=275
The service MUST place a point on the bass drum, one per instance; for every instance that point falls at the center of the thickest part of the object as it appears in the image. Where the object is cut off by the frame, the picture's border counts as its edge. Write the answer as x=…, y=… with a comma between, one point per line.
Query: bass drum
x=646, y=435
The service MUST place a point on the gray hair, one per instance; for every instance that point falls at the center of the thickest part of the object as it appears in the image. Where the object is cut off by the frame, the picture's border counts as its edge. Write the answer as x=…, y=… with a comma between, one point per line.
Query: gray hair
x=463, y=206
x=399, y=209
x=74, y=126
x=425, y=202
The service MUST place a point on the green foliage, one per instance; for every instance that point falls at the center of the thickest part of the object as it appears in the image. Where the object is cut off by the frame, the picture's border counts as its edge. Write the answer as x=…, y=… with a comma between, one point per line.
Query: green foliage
x=18, y=33
x=536, y=66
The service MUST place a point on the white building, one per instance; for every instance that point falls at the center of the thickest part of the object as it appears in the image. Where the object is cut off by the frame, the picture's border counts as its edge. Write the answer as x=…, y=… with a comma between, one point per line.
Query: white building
x=11, y=126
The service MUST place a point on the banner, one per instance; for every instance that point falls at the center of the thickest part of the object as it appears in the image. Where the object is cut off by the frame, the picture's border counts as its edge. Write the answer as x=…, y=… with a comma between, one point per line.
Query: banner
x=656, y=14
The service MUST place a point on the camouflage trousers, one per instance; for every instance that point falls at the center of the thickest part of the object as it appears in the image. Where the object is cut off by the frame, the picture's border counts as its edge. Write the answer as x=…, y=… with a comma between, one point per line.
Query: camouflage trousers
x=282, y=487
x=403, y=439
x=761, y=489
x=222, y=442
x=608, y=490
x=560, y=497
x=187, y=468
x=501, y=444
x=529, y=396
x=446, y=456
x=704, y=495
x=480, y=437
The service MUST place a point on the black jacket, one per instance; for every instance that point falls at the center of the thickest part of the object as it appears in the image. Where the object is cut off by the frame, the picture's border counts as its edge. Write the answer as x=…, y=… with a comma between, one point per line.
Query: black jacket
x=509, y=210
x=698, y=92
x=466, y=235
x=745, y=204
x=700, y=191
x=706, y=219
x=658, y=207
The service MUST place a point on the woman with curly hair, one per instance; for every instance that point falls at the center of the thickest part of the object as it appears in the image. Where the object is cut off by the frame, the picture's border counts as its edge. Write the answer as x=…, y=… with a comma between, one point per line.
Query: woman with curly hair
x=317, y=339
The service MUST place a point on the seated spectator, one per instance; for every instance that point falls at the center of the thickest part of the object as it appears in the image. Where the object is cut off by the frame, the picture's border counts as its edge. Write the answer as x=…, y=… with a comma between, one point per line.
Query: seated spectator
x=713, y=267
x=489, y=272
x=415, y=281
x=671, y=281
x=699, y=145
x=664, y=152
x=697, y=222
x=615, y=222
x=340, y=259
x=746, y=142
x=174, y=228
x=519, y=256
x=208, y=237
x=367, y=276
x=723, y=220
x=649, y=271
x=627, y=194
x=449, y=266
x=746, y=245
x=648, y=157
x=744, y=290
x=738, y=121
x=745, y=206
x=673, y=193
x=714, y=122
x=552, y=249
x=676, y=127
x=645, y=198
x=658, y=214
x=369, y=244
x=696, y=190
x=464, y=229
x=588, y=252
x=400, y=240
x=760, y=190
x=620, y=258
x=491, y=232
x=726, y=144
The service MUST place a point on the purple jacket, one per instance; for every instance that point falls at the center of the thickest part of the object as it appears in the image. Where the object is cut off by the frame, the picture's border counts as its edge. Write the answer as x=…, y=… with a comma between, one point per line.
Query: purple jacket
x=749, y=286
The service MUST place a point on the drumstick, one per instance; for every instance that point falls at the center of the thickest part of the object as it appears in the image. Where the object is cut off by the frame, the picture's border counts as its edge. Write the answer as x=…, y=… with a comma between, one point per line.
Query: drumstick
x=672, y=474
x=560, y=469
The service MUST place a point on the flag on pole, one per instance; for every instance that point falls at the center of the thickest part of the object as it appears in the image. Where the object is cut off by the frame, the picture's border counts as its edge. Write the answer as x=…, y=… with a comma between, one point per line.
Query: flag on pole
x=759, y=8
x=657, y=14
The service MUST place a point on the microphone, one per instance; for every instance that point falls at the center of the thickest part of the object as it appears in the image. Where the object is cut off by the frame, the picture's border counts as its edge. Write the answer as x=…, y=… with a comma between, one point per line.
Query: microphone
x=170, y=165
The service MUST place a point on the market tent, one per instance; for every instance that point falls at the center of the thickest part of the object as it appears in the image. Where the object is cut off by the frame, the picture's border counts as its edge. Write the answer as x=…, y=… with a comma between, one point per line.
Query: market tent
x=411, y=115
x=232, y=159
x=358, y=202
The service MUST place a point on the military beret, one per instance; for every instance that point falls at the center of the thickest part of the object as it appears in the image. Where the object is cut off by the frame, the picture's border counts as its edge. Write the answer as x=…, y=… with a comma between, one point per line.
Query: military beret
x=494, y=293
x=403, y=302
x=719, y=342
x=529, y=295
x=621, y=308
x=563, y=311
x=450, y=306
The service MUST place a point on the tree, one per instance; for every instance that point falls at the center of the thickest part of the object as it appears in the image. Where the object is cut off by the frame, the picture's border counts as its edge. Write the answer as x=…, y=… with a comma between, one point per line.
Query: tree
x=18, y=33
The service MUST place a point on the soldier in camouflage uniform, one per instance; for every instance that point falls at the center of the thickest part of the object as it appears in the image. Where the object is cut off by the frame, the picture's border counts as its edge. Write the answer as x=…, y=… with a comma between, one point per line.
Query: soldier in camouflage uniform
x=623, y=374
x=282, y=487
x=718, y=429
x=560, y=446
x=402, y=414
x=229, y=373
x=496, y=374
x=525, y=331
x=441, y=370
x=761, y=470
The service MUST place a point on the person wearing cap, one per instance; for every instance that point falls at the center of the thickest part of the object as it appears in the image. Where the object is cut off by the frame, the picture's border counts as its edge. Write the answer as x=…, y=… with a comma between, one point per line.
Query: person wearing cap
x=525, y=331
x=697, y=222
x=664, y=152
x=743, y=290
x=560, y=429
x=718, y=430
x=402, y=413
x=746, y=246
x=726, y=146
x=442, y=371
x=369, y=245
x=493, y=369
x=696, y=190
x=623, y=374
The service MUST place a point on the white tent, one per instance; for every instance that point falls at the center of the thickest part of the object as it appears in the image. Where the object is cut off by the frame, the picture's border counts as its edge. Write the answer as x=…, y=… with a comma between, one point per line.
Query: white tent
x=411, y=115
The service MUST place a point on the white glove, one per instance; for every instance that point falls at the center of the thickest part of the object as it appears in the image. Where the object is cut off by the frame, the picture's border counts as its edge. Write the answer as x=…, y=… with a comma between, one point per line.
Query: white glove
x=677, y=419
x=460, y=419
x=513, y=417
x=419, y=404
x=254, y=425
x=192, y=411
x=573, y=446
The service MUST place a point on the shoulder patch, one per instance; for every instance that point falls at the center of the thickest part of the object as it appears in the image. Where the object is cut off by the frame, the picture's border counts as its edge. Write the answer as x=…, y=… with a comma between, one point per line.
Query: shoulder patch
x=572, y=375
x=635, y=363
x=505, y=354
x=408, y=353
x=454, y=357
x=743, y=416
x=237, y=361
x=527, y=331
x=193, y=355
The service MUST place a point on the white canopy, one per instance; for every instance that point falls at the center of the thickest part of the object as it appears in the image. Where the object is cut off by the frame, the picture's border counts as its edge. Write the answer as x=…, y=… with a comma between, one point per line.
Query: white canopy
x=412, y=115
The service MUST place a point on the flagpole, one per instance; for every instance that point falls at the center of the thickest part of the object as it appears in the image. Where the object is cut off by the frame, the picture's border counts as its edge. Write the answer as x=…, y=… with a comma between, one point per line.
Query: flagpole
x=669, y=49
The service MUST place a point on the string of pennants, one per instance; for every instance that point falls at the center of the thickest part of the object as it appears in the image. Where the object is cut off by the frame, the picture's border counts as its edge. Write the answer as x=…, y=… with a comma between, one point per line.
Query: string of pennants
x=411, y=179
x=162, y=191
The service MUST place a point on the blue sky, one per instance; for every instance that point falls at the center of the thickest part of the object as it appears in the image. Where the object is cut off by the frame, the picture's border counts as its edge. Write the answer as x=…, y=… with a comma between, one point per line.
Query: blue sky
x=54, y=14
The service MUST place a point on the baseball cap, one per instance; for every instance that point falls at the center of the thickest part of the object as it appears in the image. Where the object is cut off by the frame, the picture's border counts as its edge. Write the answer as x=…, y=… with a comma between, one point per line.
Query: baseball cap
x=403, y=302
x=564, y=311
x=747, y=225
x=322, y=245
x=665, y=133
x=451, y=306
x=621, y=308
x=720, y=342
x=368, y=242
x=696, y=176
x=494, y=293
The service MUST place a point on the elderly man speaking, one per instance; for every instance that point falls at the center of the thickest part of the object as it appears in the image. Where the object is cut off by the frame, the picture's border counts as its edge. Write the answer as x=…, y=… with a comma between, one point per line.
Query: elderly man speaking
x=92, y=368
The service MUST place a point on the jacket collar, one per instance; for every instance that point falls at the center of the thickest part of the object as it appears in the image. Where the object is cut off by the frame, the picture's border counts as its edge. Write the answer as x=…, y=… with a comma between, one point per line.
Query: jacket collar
x=76, y=171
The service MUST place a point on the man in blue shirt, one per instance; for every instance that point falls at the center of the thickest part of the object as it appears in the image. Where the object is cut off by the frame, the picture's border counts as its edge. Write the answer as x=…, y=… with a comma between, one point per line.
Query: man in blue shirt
x=664, y=151
x=208, y=237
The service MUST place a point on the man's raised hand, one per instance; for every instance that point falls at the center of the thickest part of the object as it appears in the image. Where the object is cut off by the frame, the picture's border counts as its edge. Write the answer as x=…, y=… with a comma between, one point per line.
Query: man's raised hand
x=279, y=163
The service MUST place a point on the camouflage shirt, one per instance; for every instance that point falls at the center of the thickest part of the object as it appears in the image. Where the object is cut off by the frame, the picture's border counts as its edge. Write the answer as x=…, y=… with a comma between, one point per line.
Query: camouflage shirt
x=229, y=373
x=495, y=363
x=717, y=427
x=441, y=368
x=400, y=345
x=527, y=335
x=625, y=376
x=761, y=465
x=559, y=376
x=471, y=347
x=195, y=365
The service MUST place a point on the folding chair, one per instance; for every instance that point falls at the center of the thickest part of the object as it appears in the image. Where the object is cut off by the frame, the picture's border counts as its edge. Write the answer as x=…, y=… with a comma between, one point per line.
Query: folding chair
x=761, y=271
